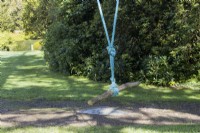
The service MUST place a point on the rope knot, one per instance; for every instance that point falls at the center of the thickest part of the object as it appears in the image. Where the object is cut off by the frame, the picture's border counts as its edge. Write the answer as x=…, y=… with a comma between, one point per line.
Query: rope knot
x=114, y=89
x=111, y=51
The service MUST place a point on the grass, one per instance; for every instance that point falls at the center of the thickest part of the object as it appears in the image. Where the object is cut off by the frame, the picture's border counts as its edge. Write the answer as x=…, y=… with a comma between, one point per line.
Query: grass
x=16, y=41
x=107, y=129
x=25, y=76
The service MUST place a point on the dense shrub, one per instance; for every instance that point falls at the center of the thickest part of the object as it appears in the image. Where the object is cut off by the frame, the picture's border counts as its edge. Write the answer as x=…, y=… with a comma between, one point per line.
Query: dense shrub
x=157, y=70
x=156, y=41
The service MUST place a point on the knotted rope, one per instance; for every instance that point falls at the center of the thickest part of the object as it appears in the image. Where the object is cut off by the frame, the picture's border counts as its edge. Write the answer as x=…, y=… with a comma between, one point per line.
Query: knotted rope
x=111, y=48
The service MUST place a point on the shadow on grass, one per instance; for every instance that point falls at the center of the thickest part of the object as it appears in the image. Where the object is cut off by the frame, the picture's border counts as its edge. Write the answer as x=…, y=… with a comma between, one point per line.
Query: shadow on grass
x=64, y=117
x=103, y=124
x=26, y=77
x=26, y=80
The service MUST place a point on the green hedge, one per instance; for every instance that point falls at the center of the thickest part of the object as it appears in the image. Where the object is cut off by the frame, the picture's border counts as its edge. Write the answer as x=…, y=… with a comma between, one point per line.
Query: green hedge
x=156, y=41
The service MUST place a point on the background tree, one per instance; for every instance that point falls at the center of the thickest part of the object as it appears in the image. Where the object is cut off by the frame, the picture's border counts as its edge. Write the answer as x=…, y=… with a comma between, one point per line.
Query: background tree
x=38, y=15
x=11, y=15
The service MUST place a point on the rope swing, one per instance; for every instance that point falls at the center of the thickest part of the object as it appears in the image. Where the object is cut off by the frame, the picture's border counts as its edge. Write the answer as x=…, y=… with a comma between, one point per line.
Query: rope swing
x=110, y=47
x=114, y=88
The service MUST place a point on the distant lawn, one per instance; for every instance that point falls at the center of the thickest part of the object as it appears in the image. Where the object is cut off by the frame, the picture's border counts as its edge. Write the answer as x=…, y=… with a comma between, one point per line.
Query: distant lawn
x=16, y=41
x=25, y=76
x=107, y=129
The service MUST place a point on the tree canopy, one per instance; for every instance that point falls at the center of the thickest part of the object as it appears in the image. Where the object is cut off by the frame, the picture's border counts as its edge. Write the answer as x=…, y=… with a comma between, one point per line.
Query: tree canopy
x=11, y=14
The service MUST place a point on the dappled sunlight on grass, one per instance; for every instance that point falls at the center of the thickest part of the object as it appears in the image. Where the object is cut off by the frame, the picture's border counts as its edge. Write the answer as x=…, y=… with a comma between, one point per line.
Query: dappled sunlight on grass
x=149, y=93
x=28, y=75
x=25, y=76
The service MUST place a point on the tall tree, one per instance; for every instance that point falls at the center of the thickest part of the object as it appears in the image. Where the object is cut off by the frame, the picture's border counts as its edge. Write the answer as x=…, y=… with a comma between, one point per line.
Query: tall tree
x=38, y=15
x=11, y=14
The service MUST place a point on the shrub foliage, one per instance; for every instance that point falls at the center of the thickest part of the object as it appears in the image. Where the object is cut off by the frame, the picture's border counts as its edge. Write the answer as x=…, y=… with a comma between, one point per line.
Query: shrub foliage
x=156, y=41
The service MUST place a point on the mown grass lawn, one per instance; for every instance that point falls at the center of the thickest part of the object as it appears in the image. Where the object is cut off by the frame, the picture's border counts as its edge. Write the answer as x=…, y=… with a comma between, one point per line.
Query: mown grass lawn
x=107, y=129
x=25, y=76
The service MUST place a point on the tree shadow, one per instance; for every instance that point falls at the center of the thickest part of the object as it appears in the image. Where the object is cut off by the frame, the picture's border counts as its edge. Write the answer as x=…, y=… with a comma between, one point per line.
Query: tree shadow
x=29, y=76
x=51, y=90
x=37, y=118
x=8, y=66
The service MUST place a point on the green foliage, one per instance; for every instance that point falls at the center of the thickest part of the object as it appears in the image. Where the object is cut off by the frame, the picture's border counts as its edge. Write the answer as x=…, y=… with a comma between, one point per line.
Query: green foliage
x=38, y=15
x=67, y=35
x=157, y=41
x=11, y=15
x=38, y=45
x=157, y=70
x=6, y=41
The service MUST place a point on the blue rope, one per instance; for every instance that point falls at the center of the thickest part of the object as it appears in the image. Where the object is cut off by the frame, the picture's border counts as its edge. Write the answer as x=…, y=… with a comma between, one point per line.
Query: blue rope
x=111, y=48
